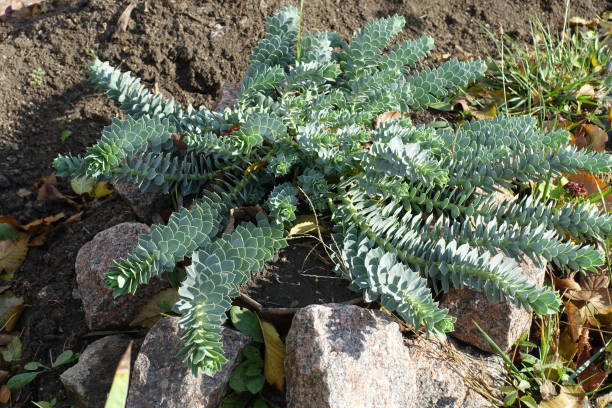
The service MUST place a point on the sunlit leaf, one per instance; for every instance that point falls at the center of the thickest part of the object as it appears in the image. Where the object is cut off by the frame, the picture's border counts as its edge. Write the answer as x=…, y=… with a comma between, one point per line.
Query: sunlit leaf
x=570, y=396
x=101, y=189
x=274, y=363
x=82, y=185
x=247, y=322
x=119, y=389
x=305, y=224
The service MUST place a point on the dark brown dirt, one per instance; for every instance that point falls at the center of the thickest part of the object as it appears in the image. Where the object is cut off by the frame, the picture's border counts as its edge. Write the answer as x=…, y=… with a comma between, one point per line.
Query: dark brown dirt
x=187, y=50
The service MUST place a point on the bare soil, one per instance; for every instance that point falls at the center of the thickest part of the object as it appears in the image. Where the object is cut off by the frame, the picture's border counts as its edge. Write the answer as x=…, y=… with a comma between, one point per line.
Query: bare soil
x=186, y=49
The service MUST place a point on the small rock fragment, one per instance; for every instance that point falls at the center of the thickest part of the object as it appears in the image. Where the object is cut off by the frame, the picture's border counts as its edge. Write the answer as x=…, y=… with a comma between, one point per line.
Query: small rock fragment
x=503, y=322
x=144, y=205
x=226, y=96
x=89, y=380
x=341, y=356
x=161, y=379
x=94, y=260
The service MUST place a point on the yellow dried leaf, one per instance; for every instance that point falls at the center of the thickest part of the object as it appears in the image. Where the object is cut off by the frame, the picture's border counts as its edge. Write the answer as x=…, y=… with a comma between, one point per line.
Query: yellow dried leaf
x=274, y=363
x=13, y=252
x=570, y=396
x=254, y=167
x=305, y=224
x=5, y=394
x=151, y=312
x=101, y=190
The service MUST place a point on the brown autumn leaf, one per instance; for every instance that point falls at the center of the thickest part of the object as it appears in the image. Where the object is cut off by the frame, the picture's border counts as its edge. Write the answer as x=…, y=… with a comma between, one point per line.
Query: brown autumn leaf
x=583, y=347
x=46, y=190
x=567, y=346
x=386, y=116
x=590, y=136
x=592, y=378
x=575, y=320
x=594, y=281
x=74, y=218
x=477, y=114
x=566, y=283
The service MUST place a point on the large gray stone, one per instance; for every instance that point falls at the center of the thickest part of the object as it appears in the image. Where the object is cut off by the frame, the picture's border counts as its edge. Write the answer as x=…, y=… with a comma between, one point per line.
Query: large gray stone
x=94, y=260
x=342, y=356
x=89, y=380
x=160, y=378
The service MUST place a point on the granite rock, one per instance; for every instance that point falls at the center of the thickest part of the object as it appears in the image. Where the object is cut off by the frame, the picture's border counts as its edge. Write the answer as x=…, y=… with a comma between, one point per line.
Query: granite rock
x=160, y=378
x=144, y=205
x=341, y=356
x=504, y=322
x=450, y=375
x=94, y=260
x=89, y=380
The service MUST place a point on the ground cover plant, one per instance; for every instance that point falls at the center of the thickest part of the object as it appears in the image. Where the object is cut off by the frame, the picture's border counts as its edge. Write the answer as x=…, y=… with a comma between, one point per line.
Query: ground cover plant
x=320, y=126
x=560, y=76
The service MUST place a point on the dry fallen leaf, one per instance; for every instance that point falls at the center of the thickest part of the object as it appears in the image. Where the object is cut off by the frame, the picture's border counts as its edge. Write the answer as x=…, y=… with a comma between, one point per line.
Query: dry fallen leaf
x=24, y=193
x=151, y=312
x=11, y=307
x=591, y=136
x=586, y=90
x=566, y=283
x=124, y=18
x=13, y=252
x=575, y=320
x=386, y=116
x=274, y=364
x=5, y=394
x=305, y=224
x=570, y=396
x=74, y=217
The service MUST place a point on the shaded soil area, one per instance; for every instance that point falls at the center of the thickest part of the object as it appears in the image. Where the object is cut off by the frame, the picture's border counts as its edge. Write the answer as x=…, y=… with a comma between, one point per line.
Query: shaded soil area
x=187, y=49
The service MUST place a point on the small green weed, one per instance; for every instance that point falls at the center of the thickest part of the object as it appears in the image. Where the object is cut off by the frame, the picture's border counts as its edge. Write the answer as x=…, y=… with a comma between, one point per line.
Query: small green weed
x=37, y=75
x=35, y=368
x=558, y=74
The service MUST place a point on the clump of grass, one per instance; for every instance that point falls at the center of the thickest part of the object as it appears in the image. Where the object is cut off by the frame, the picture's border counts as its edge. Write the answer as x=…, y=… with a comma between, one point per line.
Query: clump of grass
x=558, y=74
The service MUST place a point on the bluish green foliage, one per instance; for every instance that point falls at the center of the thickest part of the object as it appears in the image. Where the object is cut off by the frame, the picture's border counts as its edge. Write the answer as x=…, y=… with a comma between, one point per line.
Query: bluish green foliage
x=409, y=204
